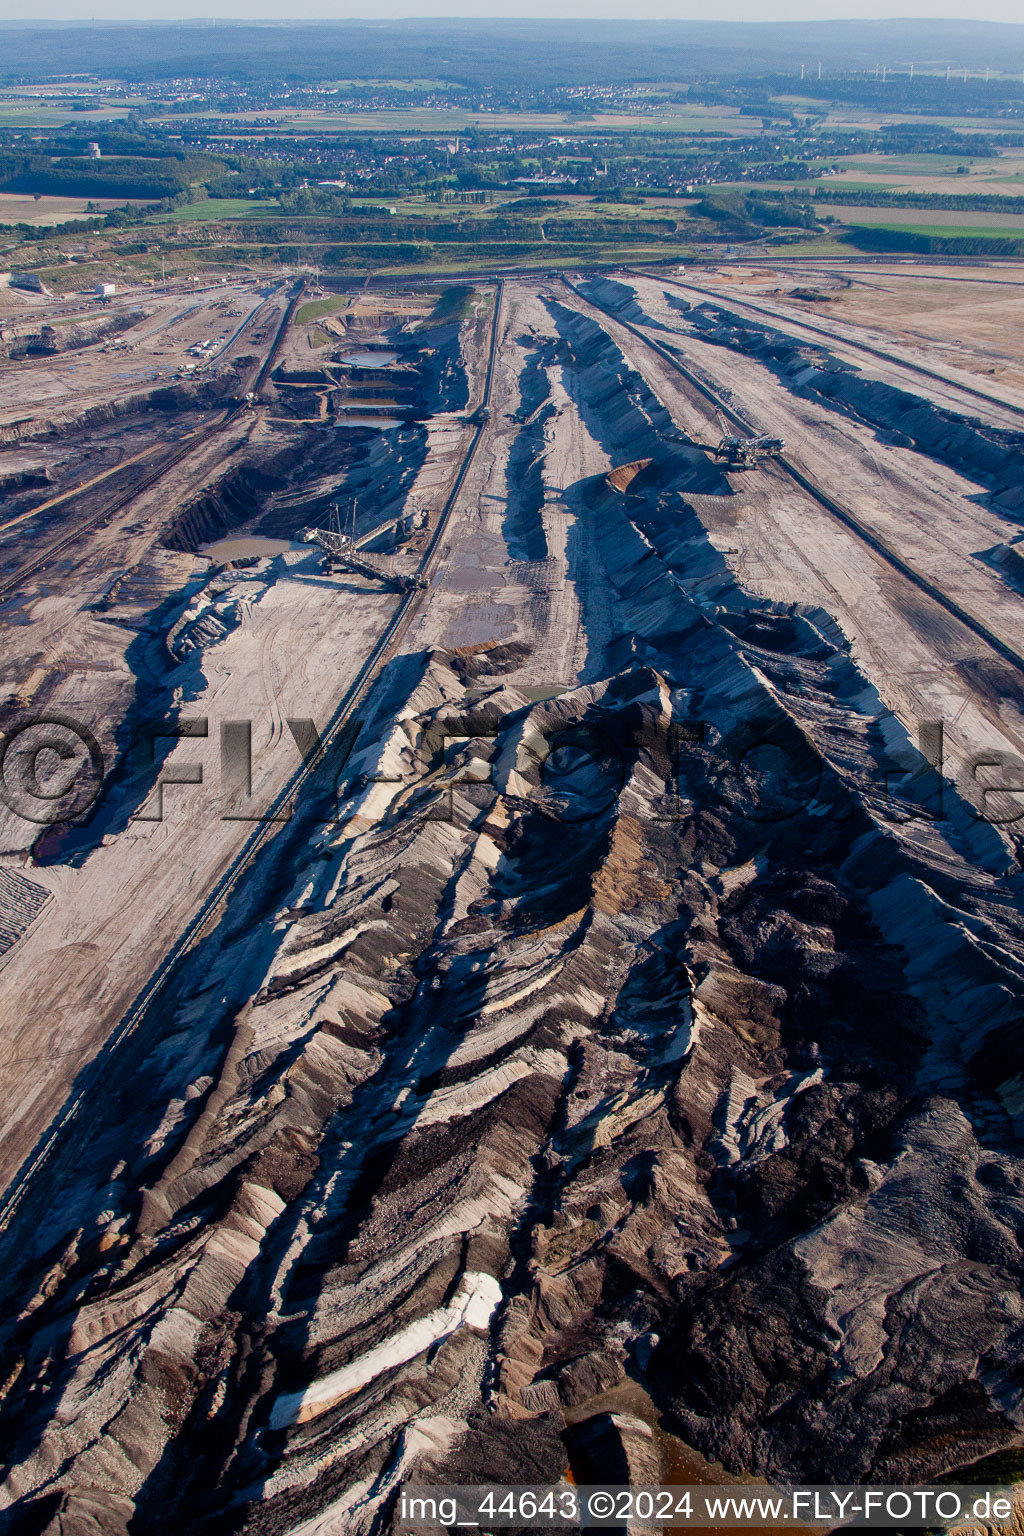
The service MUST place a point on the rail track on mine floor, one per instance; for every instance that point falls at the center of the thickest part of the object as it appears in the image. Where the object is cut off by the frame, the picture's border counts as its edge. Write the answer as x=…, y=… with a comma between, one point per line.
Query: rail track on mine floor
x=342, y=718
x=873, y=540
x=189, y=445
x=769, y=318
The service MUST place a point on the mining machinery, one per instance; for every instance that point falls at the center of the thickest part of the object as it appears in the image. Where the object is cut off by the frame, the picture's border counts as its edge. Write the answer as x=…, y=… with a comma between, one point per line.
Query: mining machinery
x=747, y=452
x=340, y=553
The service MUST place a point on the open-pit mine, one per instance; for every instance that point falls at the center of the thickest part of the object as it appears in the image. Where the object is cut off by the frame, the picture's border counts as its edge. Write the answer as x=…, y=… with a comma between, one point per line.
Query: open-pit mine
x=511, y=935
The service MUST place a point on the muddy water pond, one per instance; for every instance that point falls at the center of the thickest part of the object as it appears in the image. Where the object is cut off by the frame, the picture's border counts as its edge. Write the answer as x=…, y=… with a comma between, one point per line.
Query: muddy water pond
x=381, y=423
x=368, y=359
x=245, y=547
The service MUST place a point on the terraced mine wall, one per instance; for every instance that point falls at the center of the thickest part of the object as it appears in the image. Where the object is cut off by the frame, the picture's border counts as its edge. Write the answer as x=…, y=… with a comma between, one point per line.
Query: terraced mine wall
x=431, y=378
x=331, y=390
x=436, y=352
x=15, y=481
x=235, y=501
x=261, y=496
x=51, y=340
x=1009, y=561
x=682, y=1062
x=167, y=398
x=990, y=454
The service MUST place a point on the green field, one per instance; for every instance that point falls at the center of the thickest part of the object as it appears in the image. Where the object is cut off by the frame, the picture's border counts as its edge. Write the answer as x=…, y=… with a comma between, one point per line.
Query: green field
x=916, y=165
x=447, y=261
x=948, y=221
x=823, y=245
x=218, y=208
x=843, y=184
x=416, y=206
x=317, y=308
x=945, y=231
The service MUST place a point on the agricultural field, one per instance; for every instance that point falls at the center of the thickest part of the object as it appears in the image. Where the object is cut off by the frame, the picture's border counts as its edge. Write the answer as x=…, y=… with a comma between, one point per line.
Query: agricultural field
x=944, y=221
x=16, y=208
x=219, y=208
x=999, y=175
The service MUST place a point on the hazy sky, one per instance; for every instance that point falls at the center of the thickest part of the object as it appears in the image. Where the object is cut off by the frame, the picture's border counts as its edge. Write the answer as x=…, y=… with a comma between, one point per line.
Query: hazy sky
x=339, y=10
